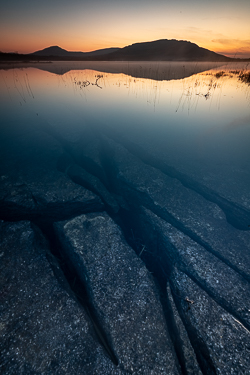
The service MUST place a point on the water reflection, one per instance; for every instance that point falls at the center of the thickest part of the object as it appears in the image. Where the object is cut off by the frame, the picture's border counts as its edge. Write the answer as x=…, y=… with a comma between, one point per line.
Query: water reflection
x=188, y=81
x=151, y=70
x=194, y=115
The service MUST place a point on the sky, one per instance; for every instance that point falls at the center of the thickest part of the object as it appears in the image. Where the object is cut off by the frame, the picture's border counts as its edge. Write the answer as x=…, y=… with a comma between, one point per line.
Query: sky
x=26, y=26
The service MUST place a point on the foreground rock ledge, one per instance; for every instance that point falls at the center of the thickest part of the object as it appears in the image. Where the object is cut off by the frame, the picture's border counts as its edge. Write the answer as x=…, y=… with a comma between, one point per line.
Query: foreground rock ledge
x=226, y=286
x=122, y=293
x=43, y=330
x=221, y=341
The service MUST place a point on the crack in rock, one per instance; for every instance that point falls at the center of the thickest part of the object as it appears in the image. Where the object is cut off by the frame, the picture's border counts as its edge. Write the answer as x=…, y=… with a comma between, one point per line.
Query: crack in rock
x=122, y=293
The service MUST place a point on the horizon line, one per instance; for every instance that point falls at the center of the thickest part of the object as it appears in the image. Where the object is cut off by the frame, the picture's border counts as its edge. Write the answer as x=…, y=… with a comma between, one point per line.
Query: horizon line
x=226, y=54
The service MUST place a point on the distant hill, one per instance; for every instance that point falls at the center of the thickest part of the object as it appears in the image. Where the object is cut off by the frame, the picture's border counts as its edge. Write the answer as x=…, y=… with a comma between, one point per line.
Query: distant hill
x=165, y=50
x=58, y=51
x=159, y=50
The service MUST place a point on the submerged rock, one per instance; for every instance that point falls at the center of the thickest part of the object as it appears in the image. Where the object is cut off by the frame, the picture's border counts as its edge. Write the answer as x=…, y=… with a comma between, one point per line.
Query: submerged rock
x=122, y=293
x=221, y=342
x=31, y=187
x=124, y=324
x=225, y=183
x=84, y=147
x=200, y=219
x=189, y=360
x=81, y=177
x=43, y=329
x=220, y=281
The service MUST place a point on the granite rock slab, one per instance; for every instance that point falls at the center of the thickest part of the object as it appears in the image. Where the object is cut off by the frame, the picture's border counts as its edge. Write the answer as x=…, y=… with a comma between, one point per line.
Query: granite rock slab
x=200, y=219
x=43, y=329
x=122, y=292
x=221, y=342
x=220, y=281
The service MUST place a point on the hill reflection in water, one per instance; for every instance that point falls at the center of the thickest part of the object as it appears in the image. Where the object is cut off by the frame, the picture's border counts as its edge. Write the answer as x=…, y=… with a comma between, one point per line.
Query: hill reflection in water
x=152, y=70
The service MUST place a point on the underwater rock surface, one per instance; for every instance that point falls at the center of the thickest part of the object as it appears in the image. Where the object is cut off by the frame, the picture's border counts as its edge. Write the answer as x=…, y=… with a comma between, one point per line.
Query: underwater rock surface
x=43, y=330
x=122, y=266
x=222, y=342
x=32, y=187
x=121, y=292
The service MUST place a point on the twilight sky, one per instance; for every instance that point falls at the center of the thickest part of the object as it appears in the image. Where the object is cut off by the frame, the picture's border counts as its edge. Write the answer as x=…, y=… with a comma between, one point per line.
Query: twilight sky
x=85, y=25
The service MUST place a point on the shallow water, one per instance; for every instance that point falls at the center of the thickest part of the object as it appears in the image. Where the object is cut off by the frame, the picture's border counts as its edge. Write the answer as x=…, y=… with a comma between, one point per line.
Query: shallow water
x=194, y=116
x=165, y=149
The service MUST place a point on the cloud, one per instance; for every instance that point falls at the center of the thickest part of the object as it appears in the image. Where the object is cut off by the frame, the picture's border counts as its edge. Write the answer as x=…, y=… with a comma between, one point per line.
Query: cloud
x=236, y=42
x=233, y=47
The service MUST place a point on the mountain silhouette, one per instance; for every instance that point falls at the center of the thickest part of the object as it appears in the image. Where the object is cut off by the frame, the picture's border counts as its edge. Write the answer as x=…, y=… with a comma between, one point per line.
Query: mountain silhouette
x=159, y=50
x=166, y=50
x=58, y=51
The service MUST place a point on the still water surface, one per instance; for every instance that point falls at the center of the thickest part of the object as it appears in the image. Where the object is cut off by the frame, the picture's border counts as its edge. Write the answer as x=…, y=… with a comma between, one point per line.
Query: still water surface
x=194, y=116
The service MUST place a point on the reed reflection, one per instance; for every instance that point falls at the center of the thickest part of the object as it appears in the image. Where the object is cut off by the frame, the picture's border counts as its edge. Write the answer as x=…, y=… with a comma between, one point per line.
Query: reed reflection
x=196, y=122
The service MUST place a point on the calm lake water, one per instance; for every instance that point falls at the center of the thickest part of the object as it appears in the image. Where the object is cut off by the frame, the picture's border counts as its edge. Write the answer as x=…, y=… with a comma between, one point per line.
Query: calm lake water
x=165, y=147
x=194, y=116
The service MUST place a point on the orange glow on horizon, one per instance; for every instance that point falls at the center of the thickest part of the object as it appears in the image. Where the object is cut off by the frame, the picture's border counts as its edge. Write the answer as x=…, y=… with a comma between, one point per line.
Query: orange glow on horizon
x=32, y=44
x=88, y=26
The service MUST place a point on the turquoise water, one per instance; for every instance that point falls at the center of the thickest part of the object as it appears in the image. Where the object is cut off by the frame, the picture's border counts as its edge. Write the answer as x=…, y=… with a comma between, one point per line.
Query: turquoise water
x=194, y=116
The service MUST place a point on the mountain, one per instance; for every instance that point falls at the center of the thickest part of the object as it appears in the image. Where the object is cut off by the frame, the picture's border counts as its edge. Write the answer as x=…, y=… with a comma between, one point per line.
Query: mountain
x=58, y=51
x=52, y=51
x=159, y=50
x=165, y=50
